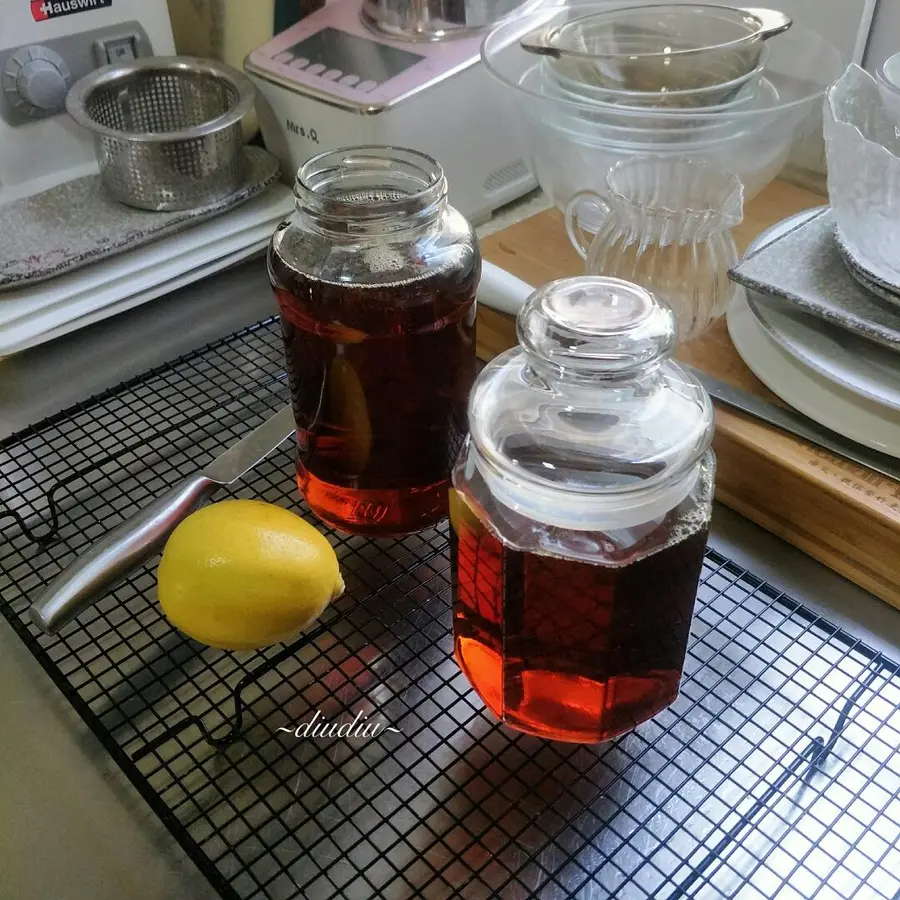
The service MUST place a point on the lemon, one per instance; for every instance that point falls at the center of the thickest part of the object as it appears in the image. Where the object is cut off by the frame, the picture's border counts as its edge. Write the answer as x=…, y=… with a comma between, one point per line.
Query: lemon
x=461, y=515
x=243, y=574
x=348, y=411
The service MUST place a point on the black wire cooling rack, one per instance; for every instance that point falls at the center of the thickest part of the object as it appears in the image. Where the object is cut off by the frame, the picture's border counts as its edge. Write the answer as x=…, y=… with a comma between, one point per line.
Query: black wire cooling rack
x=775, y=774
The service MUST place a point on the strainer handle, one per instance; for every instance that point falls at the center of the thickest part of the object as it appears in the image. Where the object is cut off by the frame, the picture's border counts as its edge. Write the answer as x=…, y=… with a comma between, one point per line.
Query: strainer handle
x=772, y=21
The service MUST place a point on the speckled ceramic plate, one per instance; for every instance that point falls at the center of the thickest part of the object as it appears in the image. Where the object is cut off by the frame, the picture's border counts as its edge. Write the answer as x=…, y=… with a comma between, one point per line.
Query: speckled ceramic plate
x=864, y=273
x=835, y=353
x=109, y=280
x=798, y=262
x=859, y=418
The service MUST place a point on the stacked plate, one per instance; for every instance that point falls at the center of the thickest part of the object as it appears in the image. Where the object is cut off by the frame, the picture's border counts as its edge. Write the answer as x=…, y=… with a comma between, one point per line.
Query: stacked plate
x=817, y=337
x=821, y=322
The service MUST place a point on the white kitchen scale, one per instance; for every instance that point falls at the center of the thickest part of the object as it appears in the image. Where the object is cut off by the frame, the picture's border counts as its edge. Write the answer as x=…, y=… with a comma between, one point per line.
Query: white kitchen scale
x=330, y=82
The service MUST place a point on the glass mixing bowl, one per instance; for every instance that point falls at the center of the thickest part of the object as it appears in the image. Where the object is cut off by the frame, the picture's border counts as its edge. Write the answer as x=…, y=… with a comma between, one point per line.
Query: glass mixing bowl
x=645, y=125
x=570, y=143
x=740, y=91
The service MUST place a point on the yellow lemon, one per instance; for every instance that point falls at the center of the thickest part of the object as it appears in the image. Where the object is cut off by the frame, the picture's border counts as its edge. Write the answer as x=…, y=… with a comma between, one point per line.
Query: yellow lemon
x=348, y=411
x=243, y=574
x=461, y=515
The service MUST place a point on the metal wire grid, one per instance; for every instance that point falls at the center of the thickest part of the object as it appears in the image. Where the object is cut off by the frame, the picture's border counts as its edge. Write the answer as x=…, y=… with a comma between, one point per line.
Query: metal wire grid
x=775, y=774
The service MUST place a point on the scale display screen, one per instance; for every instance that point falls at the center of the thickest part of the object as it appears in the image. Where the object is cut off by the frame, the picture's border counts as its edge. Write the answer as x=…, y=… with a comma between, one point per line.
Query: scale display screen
x=370, y=60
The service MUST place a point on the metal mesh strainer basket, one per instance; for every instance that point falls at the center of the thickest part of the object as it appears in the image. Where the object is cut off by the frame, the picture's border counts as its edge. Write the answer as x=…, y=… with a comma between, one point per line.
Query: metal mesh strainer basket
x=167, y=130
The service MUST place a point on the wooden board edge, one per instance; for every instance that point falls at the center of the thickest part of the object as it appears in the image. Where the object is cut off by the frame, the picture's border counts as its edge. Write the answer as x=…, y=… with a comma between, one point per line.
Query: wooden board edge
x=853, y=486
x=859, y=547
x=851, y=569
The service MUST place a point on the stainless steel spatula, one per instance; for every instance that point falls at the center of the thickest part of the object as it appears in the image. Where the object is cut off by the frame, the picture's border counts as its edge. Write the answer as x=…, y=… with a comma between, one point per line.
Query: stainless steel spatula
x=137, y=539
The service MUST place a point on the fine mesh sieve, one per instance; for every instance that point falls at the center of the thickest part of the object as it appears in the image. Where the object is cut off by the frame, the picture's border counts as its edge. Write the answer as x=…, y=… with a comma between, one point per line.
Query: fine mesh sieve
x=167, y=130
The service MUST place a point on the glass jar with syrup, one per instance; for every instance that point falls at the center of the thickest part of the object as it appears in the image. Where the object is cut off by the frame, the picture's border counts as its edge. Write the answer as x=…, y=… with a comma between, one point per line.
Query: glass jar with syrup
x=375, y=275
x=579, y=515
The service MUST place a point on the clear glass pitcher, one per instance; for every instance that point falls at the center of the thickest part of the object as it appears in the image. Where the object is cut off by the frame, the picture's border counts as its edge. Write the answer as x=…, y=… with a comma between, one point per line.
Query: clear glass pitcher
x=664, y=224
x=579, y=512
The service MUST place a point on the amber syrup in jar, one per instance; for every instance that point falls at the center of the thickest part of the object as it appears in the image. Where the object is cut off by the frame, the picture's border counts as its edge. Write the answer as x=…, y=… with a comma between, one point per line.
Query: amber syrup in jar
x=379, y=337
x=568, y=650
x=579, y=514
x=379, y=383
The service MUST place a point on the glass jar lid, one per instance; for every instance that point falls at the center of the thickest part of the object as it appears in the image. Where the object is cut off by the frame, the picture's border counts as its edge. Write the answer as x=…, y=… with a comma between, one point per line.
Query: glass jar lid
x=588, y=424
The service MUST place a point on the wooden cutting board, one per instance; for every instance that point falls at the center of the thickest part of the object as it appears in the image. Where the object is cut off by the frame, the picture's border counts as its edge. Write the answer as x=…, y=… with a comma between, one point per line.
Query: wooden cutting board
x=844, y=515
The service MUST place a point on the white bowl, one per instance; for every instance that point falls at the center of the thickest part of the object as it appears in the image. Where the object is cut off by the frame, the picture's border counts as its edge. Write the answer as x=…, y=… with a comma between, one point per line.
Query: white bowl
x=888, y=76
x=862, y=144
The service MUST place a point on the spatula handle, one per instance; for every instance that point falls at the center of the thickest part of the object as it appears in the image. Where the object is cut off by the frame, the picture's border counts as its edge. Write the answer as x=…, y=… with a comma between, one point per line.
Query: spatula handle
x=117, y=554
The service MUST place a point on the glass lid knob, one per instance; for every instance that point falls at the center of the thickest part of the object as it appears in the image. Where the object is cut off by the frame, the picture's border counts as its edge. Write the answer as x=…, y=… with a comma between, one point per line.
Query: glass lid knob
x=596, y=324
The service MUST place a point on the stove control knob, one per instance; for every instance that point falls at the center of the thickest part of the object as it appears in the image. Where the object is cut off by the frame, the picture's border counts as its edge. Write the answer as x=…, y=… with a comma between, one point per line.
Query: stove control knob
x=38, y=79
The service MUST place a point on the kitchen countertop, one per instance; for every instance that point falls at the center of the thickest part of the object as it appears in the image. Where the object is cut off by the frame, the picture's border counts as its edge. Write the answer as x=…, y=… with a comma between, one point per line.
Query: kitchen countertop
x=73, y=827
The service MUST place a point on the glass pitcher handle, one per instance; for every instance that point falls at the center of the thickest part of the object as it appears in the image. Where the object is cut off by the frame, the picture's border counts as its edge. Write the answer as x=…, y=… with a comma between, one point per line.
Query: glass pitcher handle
x=579, y=237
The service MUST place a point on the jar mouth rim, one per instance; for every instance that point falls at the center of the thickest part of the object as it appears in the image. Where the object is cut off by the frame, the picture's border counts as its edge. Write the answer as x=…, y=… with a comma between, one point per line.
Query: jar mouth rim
x=421, y=176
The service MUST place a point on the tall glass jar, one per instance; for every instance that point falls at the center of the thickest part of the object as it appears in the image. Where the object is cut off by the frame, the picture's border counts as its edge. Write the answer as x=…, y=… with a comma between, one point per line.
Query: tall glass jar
x=579, y=515
x=375, y=274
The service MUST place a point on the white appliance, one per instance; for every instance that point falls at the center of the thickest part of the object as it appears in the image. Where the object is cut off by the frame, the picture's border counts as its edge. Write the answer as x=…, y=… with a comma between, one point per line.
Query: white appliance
x=329, y=82
x=45, y=46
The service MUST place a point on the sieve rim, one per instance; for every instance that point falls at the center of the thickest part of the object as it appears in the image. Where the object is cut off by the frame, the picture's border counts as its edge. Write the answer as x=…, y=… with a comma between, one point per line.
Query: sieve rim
x=83, y=89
